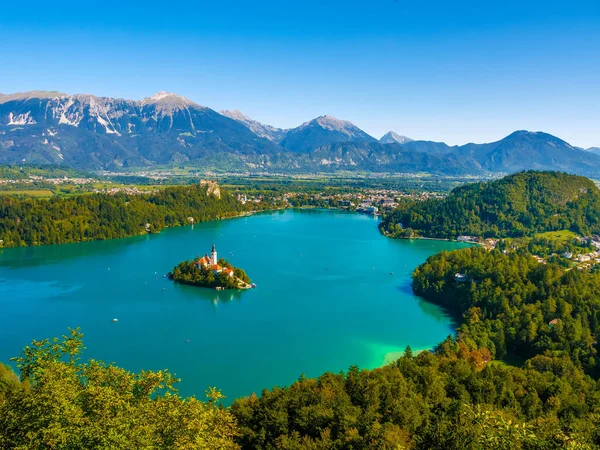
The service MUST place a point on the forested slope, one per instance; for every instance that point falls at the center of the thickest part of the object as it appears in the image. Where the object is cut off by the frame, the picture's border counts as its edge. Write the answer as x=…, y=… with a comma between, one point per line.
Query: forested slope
x=101, y=216
x=457, y=397
x=517, y=205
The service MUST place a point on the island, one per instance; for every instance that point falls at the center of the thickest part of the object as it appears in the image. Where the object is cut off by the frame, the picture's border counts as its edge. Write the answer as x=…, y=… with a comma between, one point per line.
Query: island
x=210, y=272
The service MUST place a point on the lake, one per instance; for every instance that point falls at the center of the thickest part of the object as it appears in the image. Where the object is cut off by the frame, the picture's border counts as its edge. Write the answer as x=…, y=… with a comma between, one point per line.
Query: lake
x=331, y=293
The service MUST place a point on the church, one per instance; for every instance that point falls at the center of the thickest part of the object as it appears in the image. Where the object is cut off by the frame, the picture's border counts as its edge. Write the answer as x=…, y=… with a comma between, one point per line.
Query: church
x=211, y=262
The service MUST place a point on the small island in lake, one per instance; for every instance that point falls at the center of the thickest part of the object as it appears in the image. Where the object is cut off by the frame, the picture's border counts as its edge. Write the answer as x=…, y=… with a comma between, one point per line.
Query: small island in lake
x=210, y=272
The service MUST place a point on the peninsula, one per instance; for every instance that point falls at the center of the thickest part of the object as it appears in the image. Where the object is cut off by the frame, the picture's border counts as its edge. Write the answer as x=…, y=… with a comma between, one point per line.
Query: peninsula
x=211, y=272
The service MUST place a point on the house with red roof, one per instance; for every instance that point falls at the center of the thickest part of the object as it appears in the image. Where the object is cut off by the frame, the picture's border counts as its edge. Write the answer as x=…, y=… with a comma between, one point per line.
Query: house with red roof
x=211, y=262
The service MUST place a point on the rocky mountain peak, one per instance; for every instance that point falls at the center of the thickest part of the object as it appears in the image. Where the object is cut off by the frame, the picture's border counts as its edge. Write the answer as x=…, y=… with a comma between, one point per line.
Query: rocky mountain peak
x=235, y=114
x=392, y=137
x=269, y=132
x=168, y=102
x=334, y=124
x=30, y=94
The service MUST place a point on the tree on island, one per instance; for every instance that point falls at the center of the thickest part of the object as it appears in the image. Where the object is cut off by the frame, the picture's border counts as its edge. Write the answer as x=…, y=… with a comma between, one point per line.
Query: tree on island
x=194, y=274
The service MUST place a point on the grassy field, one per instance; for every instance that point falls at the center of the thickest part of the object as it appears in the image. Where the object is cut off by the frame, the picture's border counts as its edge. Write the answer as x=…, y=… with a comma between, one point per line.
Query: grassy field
x=557, y=236
x=67, y=190
x=38, y=193
x=510, y=360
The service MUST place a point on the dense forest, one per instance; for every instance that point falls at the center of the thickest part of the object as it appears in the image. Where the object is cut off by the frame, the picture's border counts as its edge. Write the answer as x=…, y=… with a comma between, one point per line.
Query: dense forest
x=512, y=305
x=451, y=399
x=188, y=272
x=517, y=205
x=31, y=221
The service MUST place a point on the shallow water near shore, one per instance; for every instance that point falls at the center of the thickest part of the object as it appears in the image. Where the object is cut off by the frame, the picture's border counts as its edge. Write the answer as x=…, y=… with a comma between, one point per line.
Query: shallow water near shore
x=331, y=292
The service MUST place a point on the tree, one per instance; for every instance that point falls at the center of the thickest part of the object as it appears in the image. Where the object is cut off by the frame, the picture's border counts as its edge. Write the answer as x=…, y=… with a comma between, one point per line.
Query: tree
x=62, y=403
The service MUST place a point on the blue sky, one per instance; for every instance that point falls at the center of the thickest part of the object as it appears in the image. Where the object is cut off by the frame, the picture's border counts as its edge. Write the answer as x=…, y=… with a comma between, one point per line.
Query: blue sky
x=461, y=71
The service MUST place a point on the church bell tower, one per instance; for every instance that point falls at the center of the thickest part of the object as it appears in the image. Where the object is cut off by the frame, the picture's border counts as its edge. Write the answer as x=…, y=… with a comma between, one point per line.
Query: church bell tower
x=213, y=255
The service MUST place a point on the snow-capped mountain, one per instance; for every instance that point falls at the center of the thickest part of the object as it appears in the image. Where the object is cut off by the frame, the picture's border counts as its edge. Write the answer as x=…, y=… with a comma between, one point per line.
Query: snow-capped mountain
x=392, y=137
x=322, y=131
x=90, y=132
x=101, y=132
x=269, y=132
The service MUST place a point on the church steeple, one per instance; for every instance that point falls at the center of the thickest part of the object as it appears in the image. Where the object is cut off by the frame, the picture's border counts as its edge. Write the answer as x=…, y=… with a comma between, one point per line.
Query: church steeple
x=213, y=255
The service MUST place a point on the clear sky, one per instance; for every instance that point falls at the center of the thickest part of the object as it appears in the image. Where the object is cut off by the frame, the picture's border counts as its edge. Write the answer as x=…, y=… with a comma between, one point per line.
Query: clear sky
x=453, y=71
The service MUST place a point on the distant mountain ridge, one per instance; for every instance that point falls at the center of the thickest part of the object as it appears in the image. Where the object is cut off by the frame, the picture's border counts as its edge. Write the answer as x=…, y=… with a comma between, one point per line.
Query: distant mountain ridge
x=86, y=131
x=265, y=131
x=392, y=137
x=90, y=132
x=321, y=131
x=30, y=94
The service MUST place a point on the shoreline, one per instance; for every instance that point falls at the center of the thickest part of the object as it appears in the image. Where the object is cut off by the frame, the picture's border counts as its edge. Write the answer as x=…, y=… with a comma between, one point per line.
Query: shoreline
x=424, y=238
x=417, y=238
x=234, y=216
x=142, y=234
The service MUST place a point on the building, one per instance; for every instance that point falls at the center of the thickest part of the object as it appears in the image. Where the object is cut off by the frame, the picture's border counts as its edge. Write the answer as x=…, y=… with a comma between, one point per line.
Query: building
x=471, y=239
x=212, y=263
x=461, y=278
x=490, y=243
x=389, y=203
x=213, y=254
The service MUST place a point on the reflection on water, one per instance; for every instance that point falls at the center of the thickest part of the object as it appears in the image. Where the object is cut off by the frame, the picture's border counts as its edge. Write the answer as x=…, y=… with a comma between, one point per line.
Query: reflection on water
x=194, y=293
x=16, y=258
x=428, y=308
x=433, y=311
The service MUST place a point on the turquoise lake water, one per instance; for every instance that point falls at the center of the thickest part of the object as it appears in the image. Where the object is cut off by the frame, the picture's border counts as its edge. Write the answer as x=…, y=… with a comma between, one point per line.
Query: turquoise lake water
x=325, y=300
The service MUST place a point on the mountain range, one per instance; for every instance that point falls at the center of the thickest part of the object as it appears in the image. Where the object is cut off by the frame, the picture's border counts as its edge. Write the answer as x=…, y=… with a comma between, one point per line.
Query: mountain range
x=90, y=132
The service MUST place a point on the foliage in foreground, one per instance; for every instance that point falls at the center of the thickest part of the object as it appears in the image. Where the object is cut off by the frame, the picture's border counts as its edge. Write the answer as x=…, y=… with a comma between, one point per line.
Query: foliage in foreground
x=448, y=400
x=62, y=403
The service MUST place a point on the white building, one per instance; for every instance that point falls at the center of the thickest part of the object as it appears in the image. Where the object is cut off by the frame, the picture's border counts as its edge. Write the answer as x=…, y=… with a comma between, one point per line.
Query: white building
x=211, y=261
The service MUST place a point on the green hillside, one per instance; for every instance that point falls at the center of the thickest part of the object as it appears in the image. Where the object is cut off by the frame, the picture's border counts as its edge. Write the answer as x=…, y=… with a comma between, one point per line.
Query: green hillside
x=518, y=205
x=32, y=221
